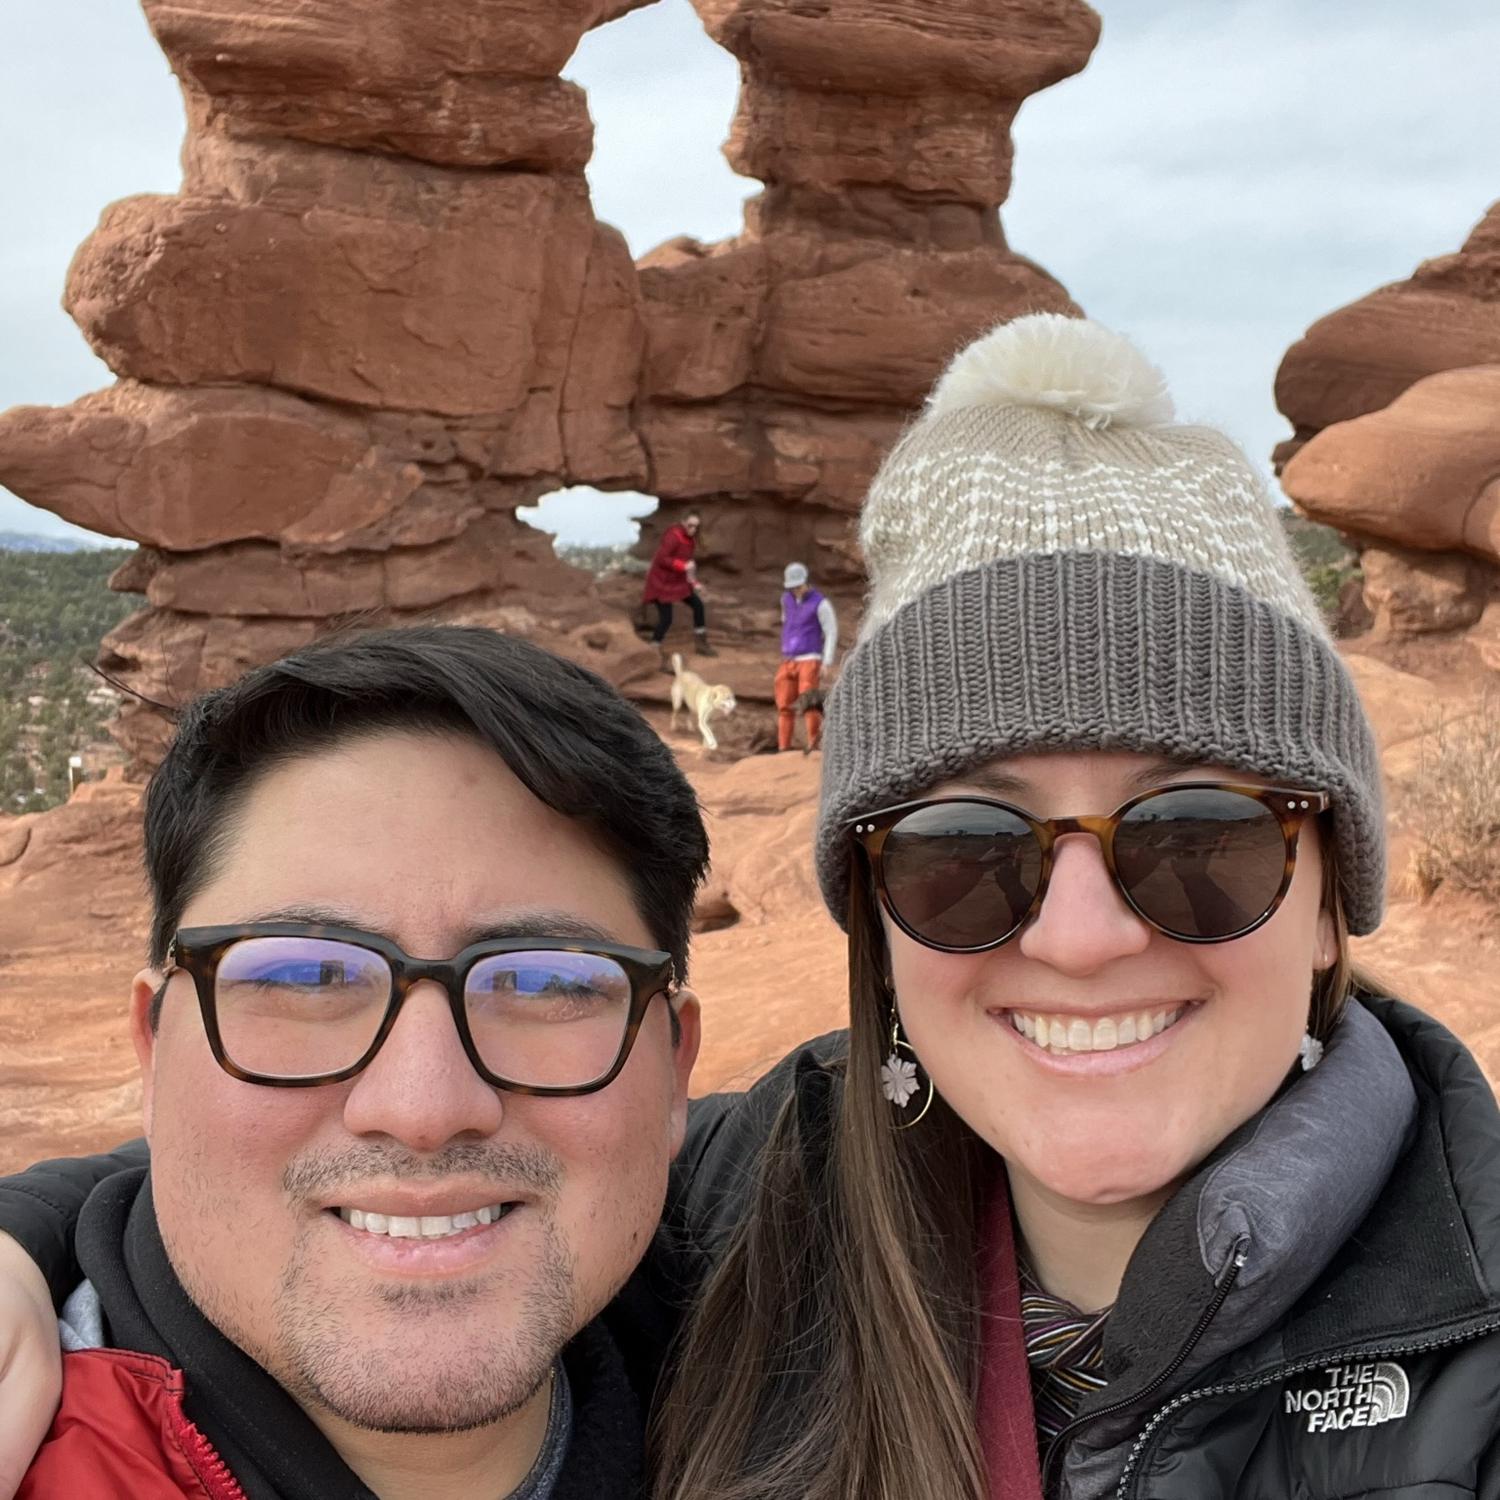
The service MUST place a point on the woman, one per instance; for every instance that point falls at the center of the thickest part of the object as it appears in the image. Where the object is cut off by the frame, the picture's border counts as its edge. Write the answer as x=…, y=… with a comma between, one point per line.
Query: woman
x=1118, y=1190
x=672, y=579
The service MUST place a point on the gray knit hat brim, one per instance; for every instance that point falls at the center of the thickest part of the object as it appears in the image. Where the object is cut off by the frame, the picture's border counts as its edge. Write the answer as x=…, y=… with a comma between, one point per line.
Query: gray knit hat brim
x=1105, y=651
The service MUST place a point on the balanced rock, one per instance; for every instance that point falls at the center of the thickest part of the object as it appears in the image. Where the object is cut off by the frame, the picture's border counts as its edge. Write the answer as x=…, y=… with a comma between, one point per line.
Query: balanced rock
x=1422, y=472
x=1360, y=358
x=780, y=365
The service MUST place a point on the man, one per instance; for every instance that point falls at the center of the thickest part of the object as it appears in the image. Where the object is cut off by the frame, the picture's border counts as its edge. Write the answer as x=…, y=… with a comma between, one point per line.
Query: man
x=414, y=1051
x=809, y=640
x=673, y=579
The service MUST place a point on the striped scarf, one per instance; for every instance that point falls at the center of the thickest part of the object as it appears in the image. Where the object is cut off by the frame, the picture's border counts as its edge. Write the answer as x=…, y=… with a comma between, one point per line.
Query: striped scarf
x=1065, y=1349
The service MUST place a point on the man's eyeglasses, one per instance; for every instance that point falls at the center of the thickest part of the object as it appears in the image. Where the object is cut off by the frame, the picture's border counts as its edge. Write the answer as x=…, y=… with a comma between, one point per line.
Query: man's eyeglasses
x=1202, y=862
x=291, y=1005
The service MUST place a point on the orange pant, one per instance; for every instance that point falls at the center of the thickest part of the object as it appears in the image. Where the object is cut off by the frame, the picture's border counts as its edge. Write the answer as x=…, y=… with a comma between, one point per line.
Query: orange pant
x=792, y=679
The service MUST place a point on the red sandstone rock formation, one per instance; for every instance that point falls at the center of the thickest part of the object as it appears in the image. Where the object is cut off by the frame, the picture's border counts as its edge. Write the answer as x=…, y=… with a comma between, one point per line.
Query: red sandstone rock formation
x=1396, y=405
x=1360, y=358
x=1423, y=472
x=380, y=315
x=781, y=365
x=1395, y=401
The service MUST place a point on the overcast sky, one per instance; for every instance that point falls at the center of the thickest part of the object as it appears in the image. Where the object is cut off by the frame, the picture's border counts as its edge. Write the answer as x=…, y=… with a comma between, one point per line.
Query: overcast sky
x=1221, y=174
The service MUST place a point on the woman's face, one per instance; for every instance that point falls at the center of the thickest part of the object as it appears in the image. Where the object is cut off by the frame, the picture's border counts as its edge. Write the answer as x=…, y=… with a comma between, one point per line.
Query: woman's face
x=1125, y=1123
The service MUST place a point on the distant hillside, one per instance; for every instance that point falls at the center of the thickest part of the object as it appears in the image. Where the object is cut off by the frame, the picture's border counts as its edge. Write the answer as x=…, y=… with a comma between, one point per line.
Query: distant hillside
x=30, y=541
x=55, y=607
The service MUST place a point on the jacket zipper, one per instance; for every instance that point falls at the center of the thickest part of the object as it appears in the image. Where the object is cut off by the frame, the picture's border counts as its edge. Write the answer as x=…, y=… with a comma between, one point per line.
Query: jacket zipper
x=1227, y=1279
x=1286, y=1372
x=207, y=1464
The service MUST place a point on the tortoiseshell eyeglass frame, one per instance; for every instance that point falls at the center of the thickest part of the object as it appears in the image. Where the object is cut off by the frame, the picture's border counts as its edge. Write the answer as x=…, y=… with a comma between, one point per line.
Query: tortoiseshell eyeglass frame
x=198, y=951
x=1291, y=808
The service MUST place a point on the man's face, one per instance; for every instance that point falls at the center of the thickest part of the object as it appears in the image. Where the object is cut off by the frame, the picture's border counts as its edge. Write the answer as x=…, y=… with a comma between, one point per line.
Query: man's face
x=431, y=841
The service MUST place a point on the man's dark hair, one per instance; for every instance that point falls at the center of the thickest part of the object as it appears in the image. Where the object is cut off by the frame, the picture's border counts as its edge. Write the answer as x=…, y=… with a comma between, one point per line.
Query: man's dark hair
x=571, y=740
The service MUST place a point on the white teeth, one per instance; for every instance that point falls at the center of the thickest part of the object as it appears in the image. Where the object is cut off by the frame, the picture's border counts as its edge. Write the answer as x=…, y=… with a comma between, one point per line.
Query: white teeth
x=423, y=1227
x=1074, y=1034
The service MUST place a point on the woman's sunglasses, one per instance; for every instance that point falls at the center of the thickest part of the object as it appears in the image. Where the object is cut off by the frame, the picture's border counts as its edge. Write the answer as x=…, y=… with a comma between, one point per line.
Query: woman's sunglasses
x=1202, y=862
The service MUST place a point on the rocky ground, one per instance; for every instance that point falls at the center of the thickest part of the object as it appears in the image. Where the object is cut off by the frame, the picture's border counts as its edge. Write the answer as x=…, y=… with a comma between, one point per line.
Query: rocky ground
x=769, y=962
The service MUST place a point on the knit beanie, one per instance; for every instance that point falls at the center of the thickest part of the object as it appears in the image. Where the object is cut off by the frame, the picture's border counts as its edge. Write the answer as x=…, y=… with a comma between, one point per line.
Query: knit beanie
x=1054, y=564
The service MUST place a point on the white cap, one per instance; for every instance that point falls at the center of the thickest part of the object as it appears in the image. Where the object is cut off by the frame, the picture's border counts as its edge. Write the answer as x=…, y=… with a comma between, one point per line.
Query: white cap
x=795, y=576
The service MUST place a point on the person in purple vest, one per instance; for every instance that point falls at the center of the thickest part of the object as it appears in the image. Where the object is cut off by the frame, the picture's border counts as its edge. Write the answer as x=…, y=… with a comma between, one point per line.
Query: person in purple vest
x=809, y=639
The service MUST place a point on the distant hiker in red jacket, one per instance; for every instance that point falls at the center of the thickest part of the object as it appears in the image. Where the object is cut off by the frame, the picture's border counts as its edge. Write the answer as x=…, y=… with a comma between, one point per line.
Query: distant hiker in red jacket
x=674, y=578
x=809, y=639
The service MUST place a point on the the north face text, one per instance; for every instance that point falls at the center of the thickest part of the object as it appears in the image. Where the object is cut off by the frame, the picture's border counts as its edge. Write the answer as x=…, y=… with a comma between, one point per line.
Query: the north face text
x=1353, y=1396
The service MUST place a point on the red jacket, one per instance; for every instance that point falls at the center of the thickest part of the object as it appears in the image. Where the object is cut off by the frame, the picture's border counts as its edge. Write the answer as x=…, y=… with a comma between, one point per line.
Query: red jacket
x=668, y=581
x=121, y=1431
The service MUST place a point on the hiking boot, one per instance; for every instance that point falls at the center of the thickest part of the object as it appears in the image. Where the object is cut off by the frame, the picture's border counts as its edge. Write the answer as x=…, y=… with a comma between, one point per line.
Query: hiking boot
x=700, y=644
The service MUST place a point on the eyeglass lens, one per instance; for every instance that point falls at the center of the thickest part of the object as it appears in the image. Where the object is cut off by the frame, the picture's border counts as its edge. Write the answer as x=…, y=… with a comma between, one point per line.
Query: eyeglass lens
x=302, y=1007
x=1198, y=862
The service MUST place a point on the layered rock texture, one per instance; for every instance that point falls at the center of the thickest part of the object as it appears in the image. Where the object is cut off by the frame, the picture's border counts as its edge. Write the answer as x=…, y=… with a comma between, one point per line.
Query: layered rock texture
x=1396, y=405
x=782, y=364
x=380, y=315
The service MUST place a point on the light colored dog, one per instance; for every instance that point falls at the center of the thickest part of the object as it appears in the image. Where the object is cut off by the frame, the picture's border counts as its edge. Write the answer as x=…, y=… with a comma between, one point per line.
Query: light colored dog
x=700, y=701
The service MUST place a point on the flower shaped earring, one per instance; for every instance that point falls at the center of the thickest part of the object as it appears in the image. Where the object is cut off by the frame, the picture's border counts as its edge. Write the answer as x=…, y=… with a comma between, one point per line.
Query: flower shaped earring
x=898, y=1075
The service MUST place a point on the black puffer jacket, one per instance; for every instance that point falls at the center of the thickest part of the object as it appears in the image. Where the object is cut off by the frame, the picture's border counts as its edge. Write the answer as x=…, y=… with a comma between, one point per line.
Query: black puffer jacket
x=1314, y=1316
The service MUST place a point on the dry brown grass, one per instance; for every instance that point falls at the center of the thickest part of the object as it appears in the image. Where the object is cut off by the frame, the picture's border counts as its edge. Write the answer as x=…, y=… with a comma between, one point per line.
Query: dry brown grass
x=1455, y=804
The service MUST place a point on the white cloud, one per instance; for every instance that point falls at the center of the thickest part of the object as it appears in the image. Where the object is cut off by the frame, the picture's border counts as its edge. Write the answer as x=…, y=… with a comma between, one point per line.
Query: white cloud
x=1219, y=176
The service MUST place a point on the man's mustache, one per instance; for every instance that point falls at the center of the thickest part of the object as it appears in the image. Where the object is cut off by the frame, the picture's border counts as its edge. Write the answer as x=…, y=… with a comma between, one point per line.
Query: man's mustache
x=316, y=1173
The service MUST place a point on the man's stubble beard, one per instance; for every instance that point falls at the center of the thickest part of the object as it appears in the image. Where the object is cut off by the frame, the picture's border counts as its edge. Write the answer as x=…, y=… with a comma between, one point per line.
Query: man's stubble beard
x=360, y=1379
x=324, y=1365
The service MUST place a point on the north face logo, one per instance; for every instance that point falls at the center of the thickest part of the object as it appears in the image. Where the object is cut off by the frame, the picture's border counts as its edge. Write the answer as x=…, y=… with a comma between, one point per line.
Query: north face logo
x=1353, y=1396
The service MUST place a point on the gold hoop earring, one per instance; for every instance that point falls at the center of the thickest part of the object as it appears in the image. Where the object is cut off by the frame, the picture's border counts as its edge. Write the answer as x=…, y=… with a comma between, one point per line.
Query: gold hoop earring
x=898, y=1076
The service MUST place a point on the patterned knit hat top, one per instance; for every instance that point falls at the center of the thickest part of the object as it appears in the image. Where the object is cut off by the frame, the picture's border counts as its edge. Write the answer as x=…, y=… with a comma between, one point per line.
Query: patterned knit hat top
x=1055, y=564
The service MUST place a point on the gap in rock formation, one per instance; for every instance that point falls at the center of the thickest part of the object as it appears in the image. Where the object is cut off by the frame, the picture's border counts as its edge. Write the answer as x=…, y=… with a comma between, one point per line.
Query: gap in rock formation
x=381, y=314
x=582, y=518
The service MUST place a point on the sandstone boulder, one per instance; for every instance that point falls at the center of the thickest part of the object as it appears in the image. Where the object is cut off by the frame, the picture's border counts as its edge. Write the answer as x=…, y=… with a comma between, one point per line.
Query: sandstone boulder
x=911, y=95
x=1423, y=471
x=362, y=280
x=1414, y=593
x=447, y=82
x=1360, y=358
x=196, y=467
x=493, y=556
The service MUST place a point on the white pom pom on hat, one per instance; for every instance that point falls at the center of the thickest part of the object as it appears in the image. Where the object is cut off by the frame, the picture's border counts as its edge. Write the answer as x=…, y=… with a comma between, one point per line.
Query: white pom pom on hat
x=1072, y=365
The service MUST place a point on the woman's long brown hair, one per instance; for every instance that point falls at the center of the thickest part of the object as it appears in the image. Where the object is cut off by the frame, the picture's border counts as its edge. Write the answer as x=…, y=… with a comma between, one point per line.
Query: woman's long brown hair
x=834, y=1352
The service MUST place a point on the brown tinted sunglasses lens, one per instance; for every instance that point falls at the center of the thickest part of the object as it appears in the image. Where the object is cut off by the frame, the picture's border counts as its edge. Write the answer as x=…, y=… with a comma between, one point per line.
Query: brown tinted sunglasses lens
x=1201, y=863
x=961, y=874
